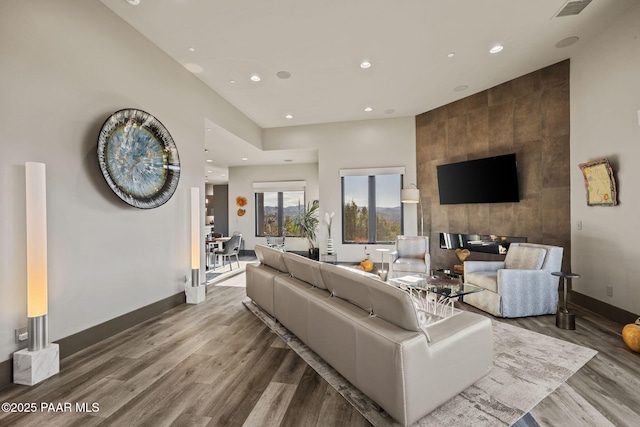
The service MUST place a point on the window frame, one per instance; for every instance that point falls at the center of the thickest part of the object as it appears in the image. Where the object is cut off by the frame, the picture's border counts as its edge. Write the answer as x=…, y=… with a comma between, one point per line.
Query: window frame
x=371, y=174
x=259, y=211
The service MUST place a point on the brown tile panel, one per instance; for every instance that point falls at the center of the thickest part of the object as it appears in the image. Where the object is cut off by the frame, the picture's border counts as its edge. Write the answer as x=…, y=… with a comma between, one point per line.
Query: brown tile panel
x=555, y=173
x=555, y=75
x=500, y=94
x=555, y=107
x=529, y=116
x=478, y=130
x=527, y=119
x=457, y=136
x=501, y=125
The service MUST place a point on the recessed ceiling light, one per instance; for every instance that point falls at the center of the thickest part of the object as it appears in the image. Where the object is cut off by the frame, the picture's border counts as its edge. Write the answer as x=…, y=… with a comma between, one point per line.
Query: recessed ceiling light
x=208, y=129
x=255, y=78
x=389, y=111
x=192, y=49
x=496, y=49
x=244, y=159
x=209, y=160
x=460, y=88
x=451, y=55
x=365, y=64
x=283, y=74
x=567, y=42
x=232, y=81
x=222, y=174
x=134, y=2
x=368, y=109
x=206, y=180
x=288, y=116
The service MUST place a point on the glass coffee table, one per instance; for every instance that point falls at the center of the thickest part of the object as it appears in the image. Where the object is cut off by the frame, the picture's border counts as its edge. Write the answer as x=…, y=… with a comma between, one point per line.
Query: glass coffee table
x=434, y=294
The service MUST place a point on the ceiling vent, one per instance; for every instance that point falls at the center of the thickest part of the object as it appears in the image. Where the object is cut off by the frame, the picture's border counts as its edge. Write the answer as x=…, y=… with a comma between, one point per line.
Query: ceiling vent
x=572, y=8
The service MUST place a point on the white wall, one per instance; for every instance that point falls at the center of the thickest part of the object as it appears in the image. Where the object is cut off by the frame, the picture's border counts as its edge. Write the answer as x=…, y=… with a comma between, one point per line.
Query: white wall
x=241, y=181
x=65, y=66
x=350, y=145
x=605, y=104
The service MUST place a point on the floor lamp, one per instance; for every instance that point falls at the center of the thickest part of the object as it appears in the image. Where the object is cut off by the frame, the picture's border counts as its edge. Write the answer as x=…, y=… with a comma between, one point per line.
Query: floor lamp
x=412, y=196
x=41, y=359
x=195, y=293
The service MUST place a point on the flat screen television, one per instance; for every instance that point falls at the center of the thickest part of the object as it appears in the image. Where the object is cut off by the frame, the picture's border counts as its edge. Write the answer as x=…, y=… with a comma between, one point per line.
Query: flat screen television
x=488, y=180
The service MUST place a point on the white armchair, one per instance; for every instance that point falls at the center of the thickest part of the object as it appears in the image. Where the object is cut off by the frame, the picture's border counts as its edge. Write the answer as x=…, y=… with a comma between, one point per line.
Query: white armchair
x=520, y=286
x=411, y=256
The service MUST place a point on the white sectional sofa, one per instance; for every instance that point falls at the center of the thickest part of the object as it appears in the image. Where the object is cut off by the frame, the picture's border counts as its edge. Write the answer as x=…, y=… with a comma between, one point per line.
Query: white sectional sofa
x=369, y=332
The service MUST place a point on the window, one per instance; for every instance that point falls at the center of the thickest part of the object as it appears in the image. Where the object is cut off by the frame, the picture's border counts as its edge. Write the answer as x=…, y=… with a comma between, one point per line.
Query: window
x=371, y=207
x=277, y=207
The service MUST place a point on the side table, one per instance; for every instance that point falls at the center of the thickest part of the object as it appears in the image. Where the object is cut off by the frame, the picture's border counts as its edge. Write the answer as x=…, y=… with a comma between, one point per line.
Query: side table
x=564, y=319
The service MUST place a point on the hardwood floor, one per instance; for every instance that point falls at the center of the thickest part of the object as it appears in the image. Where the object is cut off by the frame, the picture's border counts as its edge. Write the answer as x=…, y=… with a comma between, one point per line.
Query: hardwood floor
x=216, y=364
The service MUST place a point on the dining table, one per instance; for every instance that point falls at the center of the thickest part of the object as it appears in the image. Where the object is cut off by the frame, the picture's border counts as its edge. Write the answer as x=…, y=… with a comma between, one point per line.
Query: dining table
x=211, y=245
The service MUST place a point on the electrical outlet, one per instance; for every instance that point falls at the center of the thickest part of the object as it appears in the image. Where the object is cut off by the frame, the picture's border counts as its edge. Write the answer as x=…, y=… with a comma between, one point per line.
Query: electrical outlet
x=609, y=291
x=579, y=225
x=21, y=335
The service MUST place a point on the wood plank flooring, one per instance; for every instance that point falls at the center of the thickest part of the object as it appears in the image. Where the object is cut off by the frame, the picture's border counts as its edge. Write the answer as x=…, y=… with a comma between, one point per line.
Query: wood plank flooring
x=216, y=364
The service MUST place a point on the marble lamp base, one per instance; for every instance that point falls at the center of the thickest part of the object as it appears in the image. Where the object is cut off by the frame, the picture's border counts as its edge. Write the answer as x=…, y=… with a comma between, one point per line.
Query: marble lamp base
x=195, y=294
x=31, y=367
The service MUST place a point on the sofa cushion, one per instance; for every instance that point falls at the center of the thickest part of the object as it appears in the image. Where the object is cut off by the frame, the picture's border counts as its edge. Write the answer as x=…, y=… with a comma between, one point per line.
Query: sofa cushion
x=271, y=257
x=524, y=258
x=304, y=269
x=347, y=284
x=485, y=279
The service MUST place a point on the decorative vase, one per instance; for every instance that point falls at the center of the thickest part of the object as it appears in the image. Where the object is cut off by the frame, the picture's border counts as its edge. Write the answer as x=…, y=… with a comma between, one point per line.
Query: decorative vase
x=314, y=254
x=329, y=246
x=631, y=335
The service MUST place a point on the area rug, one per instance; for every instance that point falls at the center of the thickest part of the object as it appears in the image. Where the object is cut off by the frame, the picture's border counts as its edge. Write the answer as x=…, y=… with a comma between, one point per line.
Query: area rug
x=528, y=366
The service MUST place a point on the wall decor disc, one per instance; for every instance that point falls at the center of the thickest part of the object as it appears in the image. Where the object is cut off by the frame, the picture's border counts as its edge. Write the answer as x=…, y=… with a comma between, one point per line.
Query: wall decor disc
x=138, y=158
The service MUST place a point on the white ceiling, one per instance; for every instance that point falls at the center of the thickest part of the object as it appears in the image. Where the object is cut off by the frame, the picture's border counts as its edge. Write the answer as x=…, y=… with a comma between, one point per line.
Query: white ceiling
x=321, y=43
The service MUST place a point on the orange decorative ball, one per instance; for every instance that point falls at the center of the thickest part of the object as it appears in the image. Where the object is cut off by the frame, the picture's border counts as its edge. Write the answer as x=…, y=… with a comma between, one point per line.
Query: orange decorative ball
x=367, y=265
x=631, y=335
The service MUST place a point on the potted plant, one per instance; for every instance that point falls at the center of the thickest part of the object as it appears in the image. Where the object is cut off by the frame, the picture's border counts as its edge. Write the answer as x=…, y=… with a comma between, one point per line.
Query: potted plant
x=306, y=223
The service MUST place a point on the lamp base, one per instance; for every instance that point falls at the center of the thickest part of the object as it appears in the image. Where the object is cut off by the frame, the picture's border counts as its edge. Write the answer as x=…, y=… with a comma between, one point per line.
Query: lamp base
x=195, y=294
x=31, y=367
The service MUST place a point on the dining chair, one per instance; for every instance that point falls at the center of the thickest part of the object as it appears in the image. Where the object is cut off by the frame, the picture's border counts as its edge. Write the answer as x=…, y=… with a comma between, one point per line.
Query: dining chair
x=231, y=248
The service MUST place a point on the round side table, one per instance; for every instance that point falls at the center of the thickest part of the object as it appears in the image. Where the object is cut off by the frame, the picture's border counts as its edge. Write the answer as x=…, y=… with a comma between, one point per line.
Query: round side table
x=564, y=319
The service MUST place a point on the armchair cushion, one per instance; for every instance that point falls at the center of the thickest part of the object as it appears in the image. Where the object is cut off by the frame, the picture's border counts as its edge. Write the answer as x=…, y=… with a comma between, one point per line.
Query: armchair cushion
x=413, y=265
x=524, y=258
x=484, y=279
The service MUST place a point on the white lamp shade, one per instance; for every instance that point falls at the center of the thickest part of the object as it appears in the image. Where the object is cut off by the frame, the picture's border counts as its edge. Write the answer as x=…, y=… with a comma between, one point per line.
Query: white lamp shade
x=195, y=228
x=410, y=195
x=36, y=210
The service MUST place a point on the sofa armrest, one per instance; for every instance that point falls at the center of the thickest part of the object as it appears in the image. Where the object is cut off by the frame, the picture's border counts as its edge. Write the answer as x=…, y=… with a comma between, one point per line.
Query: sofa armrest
x=393, y=256
x=473, y=266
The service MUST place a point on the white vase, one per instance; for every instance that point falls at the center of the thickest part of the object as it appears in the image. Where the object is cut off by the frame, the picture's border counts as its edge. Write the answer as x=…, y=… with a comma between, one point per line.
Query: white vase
x=330, y=246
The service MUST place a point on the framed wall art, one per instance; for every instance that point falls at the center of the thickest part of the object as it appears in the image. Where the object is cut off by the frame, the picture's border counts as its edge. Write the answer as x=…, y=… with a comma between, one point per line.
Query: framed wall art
x=599, y=183
x=138, y=158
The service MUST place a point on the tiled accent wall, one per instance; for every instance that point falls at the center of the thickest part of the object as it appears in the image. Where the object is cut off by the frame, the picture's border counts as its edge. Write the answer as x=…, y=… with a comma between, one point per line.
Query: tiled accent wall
x=528, y=116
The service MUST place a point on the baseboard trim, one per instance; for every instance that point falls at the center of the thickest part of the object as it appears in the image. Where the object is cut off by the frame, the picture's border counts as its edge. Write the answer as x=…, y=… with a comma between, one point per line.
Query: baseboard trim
x=83, y=339
x=602, y=308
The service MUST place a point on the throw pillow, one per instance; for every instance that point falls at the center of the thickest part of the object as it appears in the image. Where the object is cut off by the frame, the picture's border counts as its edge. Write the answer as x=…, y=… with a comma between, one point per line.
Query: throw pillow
x=524, y=258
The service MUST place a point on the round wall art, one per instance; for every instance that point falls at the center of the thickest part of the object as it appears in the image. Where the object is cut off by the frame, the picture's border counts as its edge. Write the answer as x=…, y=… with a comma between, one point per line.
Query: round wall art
x=138, y=158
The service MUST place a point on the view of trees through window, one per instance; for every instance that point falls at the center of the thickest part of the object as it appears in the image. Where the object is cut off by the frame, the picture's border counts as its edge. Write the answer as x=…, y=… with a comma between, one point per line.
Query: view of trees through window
x=275, y=211
x=372, y=212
